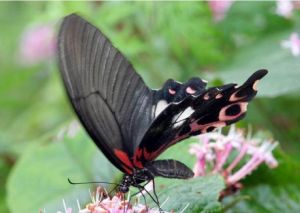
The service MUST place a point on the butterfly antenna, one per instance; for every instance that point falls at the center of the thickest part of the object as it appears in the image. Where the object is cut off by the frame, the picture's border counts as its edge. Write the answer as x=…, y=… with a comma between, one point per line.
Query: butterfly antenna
x=113, y=189
x=91, y=182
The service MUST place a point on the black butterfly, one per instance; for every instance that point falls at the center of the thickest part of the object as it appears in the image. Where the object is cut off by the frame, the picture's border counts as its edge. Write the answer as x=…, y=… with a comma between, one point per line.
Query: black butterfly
x=131, y=123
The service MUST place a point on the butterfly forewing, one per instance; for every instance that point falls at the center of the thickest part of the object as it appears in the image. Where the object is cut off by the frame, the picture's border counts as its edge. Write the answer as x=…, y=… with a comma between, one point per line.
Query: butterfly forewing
x=110, y=98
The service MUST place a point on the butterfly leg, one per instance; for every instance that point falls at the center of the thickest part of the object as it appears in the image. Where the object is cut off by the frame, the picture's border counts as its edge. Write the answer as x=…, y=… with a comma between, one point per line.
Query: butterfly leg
x=155, y=199
x=141, y=191
x=154, y=192
x=141, y=188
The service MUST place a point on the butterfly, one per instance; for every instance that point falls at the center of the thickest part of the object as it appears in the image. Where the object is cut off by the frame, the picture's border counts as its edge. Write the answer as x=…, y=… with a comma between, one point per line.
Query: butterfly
x=131, y=123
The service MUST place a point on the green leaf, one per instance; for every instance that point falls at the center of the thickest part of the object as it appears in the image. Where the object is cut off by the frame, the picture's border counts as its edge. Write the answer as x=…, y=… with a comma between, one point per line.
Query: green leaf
x=271, y=191
x=5, y=167
x=280, y=116
x=265, y=198
x=283, y=77
x=39, y=180
x=198, y=194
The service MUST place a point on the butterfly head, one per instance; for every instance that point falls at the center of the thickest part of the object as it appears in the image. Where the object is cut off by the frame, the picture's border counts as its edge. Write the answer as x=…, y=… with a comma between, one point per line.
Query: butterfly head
x=139, y=176
x=126, y=183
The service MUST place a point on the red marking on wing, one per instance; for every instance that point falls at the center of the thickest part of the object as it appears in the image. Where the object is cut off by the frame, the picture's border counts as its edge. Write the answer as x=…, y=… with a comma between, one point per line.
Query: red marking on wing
x=149, y=155
x=122, y=156
x=137, y=156
x=142, y=155
x=128, y=171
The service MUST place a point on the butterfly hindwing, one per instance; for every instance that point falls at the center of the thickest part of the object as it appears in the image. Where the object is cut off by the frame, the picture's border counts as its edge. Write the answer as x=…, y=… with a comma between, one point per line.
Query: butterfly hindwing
x=174, y=92
x=194, y=115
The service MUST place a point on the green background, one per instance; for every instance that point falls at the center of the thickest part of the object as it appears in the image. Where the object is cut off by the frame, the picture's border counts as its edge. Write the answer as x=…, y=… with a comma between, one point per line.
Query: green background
x=162, y=40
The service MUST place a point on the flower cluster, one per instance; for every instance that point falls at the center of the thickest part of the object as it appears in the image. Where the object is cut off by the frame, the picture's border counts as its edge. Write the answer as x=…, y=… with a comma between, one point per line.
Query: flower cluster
x=293, y=44
x=233, y=155
x=284, y=8
x=219, y=8
x=37, y=44
x=116, y=204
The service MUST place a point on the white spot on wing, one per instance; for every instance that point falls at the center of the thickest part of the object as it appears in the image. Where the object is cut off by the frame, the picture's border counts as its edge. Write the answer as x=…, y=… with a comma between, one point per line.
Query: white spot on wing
x=160, y=106
x=180, y=117
x=186, y=113
x=178, y=124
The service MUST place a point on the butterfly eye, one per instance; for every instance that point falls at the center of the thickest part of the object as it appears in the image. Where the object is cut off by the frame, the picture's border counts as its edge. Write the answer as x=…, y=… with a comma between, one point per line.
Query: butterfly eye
x=190, y=90
x=172, y=91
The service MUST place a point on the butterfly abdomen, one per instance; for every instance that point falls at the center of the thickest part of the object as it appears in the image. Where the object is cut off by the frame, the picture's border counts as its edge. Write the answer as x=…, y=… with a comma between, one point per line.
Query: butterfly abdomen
x=170, y=169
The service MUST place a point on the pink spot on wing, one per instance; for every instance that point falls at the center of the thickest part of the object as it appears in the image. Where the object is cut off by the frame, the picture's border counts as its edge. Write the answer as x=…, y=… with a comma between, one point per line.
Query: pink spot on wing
x=191, y=91
x=206, y=96
x=224, y=117
x=172, y=92
x=219, y=96
x=233, y=97
x=203, y=127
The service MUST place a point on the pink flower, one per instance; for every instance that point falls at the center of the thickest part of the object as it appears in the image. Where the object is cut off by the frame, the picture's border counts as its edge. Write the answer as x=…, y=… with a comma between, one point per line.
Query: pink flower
x=293, y=44
x=224, y=154
x=219, y=8
x=37, y=44
x=116, y=204
x=284, y=8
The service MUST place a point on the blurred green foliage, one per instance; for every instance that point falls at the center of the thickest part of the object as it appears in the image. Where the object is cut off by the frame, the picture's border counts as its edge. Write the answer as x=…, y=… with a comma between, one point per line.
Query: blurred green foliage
x=163, y=40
